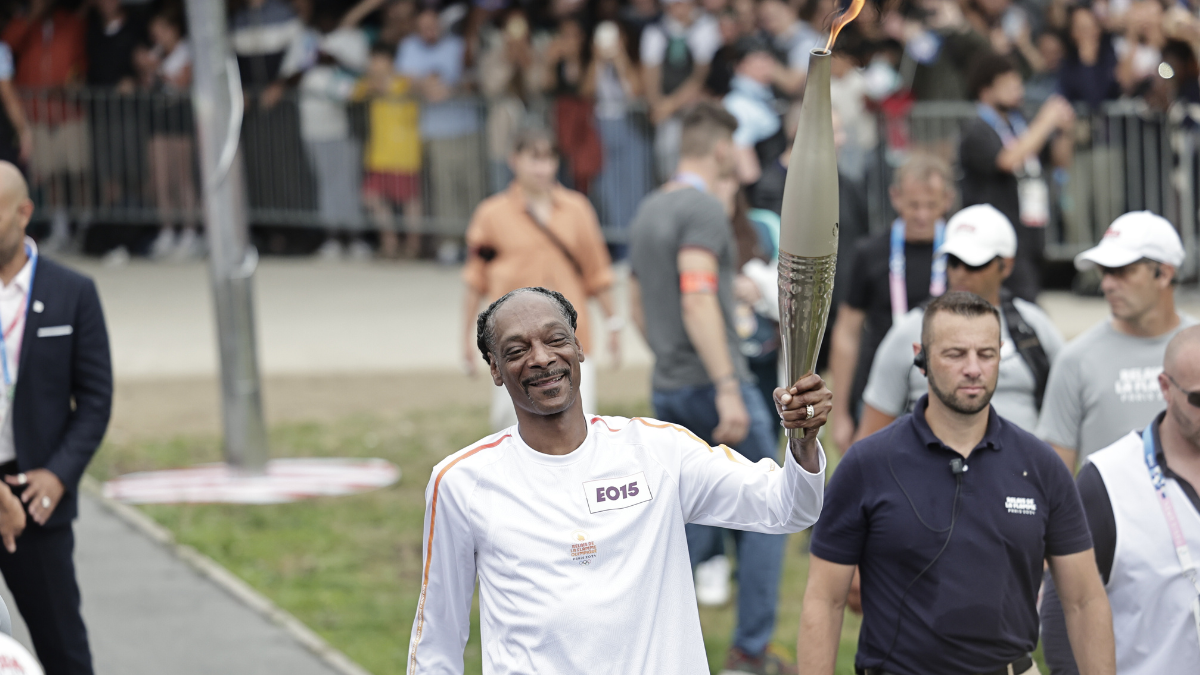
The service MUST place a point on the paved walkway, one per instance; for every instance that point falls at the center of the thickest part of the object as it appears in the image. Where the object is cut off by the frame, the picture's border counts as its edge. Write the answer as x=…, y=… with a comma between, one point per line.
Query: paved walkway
x=150, y=613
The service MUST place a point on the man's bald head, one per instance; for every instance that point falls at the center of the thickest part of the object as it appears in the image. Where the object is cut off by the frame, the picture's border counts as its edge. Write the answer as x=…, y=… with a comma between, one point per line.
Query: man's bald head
x=1185, y=346
x=13, y=188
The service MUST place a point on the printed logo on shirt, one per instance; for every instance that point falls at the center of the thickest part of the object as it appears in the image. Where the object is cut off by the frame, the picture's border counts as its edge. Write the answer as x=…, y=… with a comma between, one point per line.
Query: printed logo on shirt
x=1023, y=506
x=617, y=493
x=583, y=548
x=1138, y=385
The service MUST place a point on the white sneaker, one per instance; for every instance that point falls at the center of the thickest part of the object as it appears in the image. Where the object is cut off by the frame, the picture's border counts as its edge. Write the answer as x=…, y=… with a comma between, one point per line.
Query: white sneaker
x=189, y=247
x=360, y=250
x=116, y=257
x=330, y=251
x=712, y=581
x=163, y=244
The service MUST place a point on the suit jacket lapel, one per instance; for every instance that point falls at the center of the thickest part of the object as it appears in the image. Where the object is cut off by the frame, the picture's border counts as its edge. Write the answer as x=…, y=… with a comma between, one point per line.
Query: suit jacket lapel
x=33, y=319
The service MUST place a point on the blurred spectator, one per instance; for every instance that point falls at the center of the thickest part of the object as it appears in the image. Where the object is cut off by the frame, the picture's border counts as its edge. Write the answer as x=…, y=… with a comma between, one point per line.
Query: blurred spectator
x=848, y=92
x=941, y=44
x=888, y=274
x=724, y=60
x=1088, y=79
x=449, y=127
x=637, y=15
x=615, y=82
x=399, y=21
x=16, y=138
x=999, y=158
x=112, y=37
x=392, y=154
x=328, y=60
x=979, y=247
x=574, y=114
x=1052, y=54
x=170, y=147
x=49, y=43
x=538, y=233
x=794, y=37
x=1089, y=72
x=512, y=76
x=759, y=137
x=261, y=32
x=1140, y=47
x=676, y=53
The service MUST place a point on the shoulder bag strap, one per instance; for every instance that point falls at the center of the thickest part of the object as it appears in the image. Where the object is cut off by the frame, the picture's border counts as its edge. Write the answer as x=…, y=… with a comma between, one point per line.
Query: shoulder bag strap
x=1028, y=345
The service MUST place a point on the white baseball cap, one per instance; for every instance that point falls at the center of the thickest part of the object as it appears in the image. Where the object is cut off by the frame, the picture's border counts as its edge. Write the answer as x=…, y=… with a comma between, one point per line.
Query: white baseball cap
x=1131, y=237
x=978, y=234
x=14, y=658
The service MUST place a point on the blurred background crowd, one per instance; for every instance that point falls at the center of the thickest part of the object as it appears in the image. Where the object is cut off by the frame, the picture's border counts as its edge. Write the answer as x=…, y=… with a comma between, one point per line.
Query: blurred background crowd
x=374, y=127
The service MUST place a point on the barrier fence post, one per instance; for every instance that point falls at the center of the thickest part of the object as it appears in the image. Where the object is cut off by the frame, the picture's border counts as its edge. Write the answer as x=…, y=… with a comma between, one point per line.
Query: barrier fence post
x=217, y=102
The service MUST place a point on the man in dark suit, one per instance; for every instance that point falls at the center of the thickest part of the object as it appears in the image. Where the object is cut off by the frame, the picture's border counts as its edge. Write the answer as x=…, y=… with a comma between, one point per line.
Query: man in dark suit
x=54, y=407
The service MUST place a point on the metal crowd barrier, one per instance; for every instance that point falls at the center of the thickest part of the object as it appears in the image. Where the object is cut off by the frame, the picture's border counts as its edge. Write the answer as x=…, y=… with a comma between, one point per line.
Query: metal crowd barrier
x=102, y=156
x=1126, y=157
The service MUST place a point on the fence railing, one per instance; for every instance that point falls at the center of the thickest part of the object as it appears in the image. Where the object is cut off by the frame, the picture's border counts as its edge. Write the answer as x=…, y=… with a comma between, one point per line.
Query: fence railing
x=105, y=156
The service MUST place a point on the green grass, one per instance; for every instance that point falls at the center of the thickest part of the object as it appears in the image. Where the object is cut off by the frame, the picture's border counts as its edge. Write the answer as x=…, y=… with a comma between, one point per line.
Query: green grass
x=349, y=567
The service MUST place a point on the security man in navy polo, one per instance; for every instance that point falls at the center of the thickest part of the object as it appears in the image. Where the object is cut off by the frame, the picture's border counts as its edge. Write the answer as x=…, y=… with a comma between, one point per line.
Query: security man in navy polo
x=54, y=409
x=949, y=513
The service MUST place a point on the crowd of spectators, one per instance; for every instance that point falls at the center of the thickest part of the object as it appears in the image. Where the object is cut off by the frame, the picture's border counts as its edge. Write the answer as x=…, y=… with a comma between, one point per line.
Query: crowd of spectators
x=609, y=77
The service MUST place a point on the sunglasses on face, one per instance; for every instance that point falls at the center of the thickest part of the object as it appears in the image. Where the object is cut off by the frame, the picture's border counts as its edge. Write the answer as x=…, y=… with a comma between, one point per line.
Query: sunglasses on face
x=954, y=262
x=1193, y=397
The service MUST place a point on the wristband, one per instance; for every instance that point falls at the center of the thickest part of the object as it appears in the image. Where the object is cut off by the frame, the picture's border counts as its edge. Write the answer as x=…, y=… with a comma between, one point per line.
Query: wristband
x=698, y=282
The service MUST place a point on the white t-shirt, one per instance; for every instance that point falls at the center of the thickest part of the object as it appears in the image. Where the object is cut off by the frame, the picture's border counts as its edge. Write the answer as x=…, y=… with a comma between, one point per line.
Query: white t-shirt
x=703, y=39
x=581, y=558
x=895, y=384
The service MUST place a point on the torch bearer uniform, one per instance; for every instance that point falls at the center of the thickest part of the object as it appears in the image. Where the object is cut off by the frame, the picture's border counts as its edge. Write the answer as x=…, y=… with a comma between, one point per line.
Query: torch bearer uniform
x=581, y=558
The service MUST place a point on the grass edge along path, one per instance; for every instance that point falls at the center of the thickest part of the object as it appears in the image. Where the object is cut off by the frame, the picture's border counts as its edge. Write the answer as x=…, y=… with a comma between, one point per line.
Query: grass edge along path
x=349, y=567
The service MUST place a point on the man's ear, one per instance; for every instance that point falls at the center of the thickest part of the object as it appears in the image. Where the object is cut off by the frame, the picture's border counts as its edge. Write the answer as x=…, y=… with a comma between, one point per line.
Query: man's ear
x=496, y=379
x=1006, y=267
x=579, y=349
x=1165, y=276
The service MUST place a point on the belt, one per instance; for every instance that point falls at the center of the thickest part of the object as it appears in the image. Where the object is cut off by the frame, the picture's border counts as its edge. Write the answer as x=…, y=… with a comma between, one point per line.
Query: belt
x=1015, y=668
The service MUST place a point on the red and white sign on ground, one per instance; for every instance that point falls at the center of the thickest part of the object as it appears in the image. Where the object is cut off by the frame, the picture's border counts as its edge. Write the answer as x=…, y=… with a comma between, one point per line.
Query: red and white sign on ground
x=285, y=480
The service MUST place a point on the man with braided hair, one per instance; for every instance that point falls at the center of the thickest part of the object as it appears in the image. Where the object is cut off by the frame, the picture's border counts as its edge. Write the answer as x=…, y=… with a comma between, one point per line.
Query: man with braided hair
x=574, y=526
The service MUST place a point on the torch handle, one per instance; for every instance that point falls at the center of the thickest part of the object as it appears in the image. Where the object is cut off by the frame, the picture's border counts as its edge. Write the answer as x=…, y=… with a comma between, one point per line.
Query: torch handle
x=805, y=293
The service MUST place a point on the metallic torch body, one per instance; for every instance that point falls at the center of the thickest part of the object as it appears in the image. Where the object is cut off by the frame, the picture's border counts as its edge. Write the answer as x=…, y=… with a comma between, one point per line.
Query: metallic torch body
x=808, y=233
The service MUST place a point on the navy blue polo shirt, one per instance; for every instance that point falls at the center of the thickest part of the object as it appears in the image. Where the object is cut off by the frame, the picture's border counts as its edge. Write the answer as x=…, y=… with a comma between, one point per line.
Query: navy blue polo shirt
x=975, y=609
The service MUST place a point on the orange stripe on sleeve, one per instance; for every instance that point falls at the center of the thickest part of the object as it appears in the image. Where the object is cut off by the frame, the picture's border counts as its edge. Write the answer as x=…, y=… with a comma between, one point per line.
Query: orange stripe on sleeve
x=437, y=483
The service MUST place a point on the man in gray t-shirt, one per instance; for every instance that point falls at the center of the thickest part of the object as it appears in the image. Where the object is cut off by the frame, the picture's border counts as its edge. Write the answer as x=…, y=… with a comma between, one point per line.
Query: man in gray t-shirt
x=683, y=258
x=980, y=246
x=1106, y=380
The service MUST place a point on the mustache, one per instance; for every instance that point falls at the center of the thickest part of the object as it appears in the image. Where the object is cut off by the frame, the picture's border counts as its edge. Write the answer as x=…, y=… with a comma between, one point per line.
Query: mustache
x=548, y=376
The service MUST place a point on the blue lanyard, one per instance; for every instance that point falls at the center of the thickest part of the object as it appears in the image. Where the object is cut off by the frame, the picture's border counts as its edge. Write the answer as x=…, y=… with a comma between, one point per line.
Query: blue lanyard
x=897, y=268
x=8, y=378
x=1008, y=131
x=689, y=178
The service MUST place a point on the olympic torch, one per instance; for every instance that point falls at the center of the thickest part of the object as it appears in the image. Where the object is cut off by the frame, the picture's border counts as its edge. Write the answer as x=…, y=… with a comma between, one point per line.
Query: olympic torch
x=808, y=231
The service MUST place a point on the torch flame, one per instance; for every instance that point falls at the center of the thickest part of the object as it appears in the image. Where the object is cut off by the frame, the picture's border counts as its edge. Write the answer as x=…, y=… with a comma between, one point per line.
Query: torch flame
x=844, y=18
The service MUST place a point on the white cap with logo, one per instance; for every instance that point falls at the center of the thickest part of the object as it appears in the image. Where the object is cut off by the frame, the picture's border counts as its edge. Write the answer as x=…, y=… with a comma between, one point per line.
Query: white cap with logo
x=978, y=234
x=1131, y=237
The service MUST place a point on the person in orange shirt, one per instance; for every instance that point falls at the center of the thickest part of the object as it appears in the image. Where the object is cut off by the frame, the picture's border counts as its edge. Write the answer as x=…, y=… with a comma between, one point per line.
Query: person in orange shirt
x=538, y=233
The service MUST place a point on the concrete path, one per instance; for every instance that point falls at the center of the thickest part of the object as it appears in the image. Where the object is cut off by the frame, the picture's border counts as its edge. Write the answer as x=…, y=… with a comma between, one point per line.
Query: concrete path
x=148, y=612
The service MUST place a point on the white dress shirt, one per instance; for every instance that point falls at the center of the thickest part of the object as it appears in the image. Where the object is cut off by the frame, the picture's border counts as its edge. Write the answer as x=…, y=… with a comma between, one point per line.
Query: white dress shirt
x=13, y=304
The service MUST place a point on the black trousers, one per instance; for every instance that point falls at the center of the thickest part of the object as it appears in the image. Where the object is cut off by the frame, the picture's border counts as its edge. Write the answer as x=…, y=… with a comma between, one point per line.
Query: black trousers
x=41, y=577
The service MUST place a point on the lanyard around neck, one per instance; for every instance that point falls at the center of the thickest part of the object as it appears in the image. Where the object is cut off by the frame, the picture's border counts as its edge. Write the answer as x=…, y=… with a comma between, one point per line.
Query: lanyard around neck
x=1184, y=554
x=1008, y=129
x=8, y=375
x=897, y=268
x=692, y=179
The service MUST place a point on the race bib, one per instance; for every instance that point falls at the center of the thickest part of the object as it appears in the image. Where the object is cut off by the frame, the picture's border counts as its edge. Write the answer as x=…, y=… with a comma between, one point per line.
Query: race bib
x=1033, y=196
x=617, y=493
